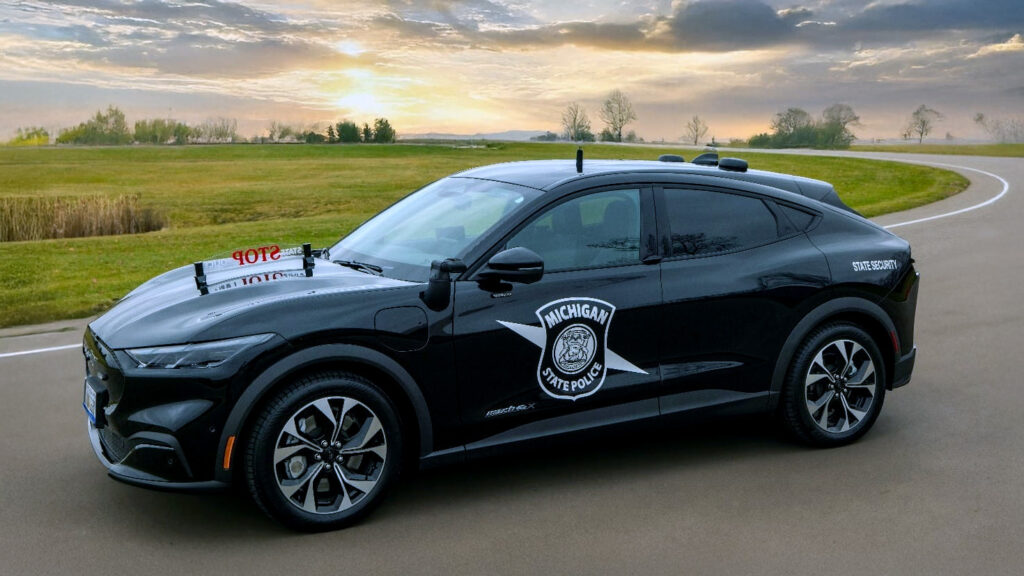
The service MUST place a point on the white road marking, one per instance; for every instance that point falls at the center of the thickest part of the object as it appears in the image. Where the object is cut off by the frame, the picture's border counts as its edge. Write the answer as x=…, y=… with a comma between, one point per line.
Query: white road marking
x=1006, y=188
x=40, y=350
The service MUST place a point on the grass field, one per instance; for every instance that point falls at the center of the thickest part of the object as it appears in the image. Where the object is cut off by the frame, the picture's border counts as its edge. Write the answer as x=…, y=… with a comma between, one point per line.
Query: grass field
x=217, y=198
x=1008, y=150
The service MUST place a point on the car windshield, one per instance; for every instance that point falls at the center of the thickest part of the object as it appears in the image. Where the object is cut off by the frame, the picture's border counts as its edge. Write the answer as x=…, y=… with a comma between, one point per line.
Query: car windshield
x=443, y=220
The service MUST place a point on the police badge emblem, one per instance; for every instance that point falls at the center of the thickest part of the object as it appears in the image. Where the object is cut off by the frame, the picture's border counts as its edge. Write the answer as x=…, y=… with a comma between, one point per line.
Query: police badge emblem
x=572, y=364
x=573, y=337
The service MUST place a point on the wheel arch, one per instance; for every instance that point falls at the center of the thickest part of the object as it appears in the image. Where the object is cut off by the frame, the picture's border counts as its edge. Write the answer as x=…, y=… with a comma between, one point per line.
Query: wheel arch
x=383, y=371
x=864, y=313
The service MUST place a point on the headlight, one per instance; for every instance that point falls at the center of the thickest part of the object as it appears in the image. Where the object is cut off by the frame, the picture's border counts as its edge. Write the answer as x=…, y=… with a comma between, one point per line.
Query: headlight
x=201, y=355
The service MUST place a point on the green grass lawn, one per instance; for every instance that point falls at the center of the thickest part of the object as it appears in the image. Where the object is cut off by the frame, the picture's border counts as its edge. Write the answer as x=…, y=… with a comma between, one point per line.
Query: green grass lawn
x=218, y=198
x=1011, y=150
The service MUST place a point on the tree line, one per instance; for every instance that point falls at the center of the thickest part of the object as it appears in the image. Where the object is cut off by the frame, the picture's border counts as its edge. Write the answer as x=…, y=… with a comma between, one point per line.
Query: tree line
x=796, y=128
x=31, y=136
x=110, y=128
x=792, y=128
x=343, y=132
x=347, y=132
x=616, y=112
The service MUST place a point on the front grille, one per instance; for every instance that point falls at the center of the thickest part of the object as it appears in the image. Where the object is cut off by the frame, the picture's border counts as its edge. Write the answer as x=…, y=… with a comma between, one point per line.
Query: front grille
x=114, y=445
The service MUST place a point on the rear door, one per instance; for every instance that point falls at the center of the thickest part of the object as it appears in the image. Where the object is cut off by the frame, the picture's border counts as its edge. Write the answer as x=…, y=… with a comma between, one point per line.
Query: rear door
x=577, y=348
x=736, y=276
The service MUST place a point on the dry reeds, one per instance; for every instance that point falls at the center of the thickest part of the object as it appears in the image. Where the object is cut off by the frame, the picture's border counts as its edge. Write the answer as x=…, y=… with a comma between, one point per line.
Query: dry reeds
x=39, y=218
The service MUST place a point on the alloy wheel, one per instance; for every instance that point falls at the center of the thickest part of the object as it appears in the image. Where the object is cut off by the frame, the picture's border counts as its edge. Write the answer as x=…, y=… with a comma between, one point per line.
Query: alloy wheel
x=840, y=386
x=330, y=455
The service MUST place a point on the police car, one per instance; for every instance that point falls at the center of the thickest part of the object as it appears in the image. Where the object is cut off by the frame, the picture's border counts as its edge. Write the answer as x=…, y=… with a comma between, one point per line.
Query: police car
x=503, y=304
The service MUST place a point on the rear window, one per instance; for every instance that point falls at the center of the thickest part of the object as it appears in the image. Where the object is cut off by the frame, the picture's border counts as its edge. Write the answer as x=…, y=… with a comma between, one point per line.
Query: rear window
x=704, y=223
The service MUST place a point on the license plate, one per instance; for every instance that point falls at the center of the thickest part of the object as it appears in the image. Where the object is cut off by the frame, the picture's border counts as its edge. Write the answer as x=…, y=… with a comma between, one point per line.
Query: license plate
x=90, y=403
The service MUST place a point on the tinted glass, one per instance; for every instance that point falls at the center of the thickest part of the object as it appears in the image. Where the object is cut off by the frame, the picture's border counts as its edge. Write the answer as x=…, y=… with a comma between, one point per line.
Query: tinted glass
x=443, y=220
x=800, y=219
x=705, y=223
x=597, y=230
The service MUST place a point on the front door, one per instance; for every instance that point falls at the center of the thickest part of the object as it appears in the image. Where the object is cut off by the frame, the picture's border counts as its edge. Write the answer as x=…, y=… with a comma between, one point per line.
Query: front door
x=584, y=339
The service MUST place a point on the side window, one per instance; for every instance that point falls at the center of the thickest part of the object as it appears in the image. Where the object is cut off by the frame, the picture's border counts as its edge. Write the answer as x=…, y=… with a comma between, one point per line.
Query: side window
x=704, y=223
x=593, y=231
x=800, y=219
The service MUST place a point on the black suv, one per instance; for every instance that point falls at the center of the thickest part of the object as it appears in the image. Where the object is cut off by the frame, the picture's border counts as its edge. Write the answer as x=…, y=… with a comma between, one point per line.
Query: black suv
x=505, y=303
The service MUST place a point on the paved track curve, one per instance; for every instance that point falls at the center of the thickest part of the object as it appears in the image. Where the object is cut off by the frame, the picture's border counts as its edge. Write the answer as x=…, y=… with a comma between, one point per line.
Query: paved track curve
x=937, y=487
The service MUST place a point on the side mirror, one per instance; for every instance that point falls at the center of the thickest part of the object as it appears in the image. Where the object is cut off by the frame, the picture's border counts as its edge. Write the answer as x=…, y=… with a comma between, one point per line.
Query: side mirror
x=519, y=264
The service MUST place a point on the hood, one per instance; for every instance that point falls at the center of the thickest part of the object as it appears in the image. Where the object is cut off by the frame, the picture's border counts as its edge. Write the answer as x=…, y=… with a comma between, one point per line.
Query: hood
x=170, y=309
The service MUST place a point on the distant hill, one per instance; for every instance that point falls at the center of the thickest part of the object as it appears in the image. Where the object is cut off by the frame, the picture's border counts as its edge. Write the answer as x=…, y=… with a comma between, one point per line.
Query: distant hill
x=513, y=135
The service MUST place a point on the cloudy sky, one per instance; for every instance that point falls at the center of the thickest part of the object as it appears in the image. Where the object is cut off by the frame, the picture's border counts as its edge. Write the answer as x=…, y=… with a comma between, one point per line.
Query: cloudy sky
x=471, y=66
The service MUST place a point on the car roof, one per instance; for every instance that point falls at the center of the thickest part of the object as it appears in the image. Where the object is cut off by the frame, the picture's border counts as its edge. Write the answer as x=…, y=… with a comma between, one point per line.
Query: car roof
x=549, y=174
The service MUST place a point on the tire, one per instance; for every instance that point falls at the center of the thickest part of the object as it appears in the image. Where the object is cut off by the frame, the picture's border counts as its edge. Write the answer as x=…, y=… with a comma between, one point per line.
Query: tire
x=835, y=386
x=309, y=473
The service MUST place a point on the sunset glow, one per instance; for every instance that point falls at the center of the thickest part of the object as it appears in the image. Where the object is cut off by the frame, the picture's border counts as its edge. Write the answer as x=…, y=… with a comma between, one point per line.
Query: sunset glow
x=468, y=66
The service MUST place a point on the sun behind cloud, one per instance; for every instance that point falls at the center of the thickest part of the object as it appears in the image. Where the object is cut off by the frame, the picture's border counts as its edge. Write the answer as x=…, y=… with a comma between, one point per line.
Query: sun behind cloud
x=361, y=104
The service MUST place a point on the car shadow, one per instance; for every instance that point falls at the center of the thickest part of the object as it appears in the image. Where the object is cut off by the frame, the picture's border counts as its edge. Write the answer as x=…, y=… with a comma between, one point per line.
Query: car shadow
x=555, y=464
x=602, y=454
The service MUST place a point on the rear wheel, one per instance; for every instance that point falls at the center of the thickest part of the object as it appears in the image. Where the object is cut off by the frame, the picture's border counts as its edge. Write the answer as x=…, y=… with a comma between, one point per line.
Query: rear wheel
x=835, y=386
x=323, y=452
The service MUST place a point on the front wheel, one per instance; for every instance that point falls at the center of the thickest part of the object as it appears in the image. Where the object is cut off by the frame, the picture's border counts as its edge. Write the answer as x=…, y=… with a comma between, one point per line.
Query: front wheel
x=835, y=386
x=323, y=452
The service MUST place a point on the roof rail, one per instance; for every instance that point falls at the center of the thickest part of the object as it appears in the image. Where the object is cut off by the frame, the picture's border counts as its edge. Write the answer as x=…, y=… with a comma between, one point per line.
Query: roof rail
x=732, y=165
x=671, y=158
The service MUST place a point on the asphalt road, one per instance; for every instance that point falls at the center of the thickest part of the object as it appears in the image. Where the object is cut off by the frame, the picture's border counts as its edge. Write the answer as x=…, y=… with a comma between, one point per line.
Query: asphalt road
x=937, y=487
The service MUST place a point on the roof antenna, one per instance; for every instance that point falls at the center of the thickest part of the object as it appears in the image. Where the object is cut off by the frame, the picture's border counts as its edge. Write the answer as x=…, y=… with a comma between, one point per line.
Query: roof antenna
x=579, y=160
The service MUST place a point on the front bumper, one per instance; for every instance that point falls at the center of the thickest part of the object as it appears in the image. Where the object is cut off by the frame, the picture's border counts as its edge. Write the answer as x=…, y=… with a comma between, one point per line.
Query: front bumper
x=127, y=459
x=158, y=428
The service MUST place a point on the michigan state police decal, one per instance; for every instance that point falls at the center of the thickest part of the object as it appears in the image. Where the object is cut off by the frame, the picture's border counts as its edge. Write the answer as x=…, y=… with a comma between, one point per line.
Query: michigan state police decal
x=573, y=337
x=572, y=364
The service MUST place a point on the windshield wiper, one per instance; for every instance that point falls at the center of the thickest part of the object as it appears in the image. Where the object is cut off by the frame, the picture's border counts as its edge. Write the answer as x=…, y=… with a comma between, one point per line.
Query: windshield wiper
x=361, y=266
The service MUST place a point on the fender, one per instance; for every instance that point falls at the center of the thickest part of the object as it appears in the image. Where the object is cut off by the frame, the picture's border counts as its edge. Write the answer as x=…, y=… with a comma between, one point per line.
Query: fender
x=814, y=318
x=317, y=354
